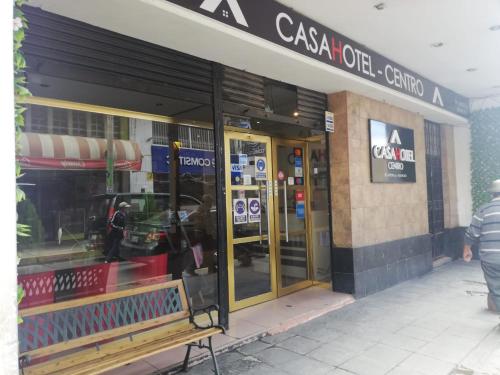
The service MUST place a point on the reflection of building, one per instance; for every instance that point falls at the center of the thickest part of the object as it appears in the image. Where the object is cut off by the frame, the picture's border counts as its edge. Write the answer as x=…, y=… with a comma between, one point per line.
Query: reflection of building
x=207, y=139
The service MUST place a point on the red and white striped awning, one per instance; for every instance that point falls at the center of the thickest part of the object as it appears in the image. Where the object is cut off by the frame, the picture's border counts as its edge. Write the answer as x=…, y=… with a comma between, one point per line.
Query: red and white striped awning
x=51, y=151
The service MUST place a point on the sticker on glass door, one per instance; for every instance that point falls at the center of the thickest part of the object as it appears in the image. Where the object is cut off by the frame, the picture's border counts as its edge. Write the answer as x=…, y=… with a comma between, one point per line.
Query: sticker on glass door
x=254, y=210
x=260, y=168
x=240, y=215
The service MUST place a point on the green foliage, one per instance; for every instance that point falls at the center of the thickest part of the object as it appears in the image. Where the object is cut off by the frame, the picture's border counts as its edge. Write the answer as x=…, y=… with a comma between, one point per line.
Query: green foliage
x=27, y=213
x=485, y=153
x=21, y=92
x=20, y=295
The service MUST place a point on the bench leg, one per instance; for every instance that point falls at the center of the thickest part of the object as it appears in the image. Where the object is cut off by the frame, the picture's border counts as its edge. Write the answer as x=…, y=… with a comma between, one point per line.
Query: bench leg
x=186, y=358
x=216, y=367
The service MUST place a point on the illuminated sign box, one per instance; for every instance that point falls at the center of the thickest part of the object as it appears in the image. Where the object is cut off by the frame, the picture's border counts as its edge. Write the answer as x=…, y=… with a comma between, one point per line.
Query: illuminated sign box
x=392, y=153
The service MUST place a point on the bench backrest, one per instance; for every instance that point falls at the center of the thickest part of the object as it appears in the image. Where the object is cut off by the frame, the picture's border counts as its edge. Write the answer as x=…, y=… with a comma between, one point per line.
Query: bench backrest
x=66, y=325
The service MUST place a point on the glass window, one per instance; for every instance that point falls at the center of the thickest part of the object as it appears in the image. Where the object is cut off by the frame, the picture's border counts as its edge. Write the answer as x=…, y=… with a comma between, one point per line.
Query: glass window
x=79, y=120
x=38, y=119
x=164, y=172
x=60, y=123
x=319, y=210
x=96, y=125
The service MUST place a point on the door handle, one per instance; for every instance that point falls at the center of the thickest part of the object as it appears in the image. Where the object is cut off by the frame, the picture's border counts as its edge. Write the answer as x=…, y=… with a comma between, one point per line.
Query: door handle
x=286, y=210
x=269, y=194
x=260, y=221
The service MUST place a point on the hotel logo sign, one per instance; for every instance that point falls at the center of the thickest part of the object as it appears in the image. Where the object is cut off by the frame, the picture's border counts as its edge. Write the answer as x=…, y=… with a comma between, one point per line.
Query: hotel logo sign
x=212, y=5
x=392, y=153
x=275, y=22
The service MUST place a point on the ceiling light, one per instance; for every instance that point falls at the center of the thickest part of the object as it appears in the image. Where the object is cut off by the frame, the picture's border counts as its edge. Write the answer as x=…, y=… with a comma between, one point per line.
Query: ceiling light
x=296, y=114
x=379, y=6
x=495, y=28
x=437, y=44
x=470, y=70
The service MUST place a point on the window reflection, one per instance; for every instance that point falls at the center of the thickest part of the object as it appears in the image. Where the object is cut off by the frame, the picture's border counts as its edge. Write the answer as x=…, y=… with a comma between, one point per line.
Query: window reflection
x=167, y=233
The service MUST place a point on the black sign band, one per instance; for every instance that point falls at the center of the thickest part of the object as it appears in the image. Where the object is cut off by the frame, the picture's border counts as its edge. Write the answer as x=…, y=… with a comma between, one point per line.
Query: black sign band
x=279, y=24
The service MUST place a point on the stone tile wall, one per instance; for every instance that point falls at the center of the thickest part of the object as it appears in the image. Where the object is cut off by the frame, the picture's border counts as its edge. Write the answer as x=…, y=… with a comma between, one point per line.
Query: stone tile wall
x=366, y=213
x=450, y=197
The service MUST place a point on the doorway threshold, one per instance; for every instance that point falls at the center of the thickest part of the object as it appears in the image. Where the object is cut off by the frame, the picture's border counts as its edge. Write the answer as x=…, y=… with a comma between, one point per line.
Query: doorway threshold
x=248, y=325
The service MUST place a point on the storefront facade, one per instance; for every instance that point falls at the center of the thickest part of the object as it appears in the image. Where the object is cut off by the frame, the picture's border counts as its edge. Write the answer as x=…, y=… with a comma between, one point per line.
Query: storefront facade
x=239, y=179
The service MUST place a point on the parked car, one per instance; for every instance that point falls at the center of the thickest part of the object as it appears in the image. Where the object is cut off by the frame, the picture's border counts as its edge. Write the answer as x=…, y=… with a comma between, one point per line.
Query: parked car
x=148, y=222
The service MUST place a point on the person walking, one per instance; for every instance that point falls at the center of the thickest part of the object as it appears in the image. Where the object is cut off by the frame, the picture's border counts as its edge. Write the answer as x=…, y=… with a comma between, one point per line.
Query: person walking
x=117, y=224
x=485, y=231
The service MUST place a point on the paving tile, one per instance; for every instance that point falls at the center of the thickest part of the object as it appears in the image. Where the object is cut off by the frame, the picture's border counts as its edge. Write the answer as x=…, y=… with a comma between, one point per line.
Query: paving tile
x=332, y=354
x=307, y=366
x=386, y=354
x=426, y=365
x=418, y=333
x=299, y=344
x=320, y=333
x=242, y=328
x=277, y=356
x=448, y=348
x=274, y=339
x=362, y=365
x=403, y=342
x=261, y=369
x=241, y=366
x=253, y=347
x=339, y=371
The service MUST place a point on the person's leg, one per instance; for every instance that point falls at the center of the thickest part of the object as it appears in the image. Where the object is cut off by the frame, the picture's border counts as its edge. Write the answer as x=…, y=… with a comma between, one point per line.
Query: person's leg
x=492, y=276
x=114, y=249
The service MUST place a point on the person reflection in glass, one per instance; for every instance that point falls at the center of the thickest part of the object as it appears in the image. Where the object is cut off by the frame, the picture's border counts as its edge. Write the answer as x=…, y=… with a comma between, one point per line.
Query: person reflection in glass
x=117, y=224
x=203, y=236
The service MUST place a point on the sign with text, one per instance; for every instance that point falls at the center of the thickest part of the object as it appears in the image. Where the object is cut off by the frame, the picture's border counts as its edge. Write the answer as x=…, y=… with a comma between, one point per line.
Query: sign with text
x=282, y=25
x=260, y=168
x=329, y=122
x=193, y=161
x=254, y=210
x=240, y=211
x=392, y=153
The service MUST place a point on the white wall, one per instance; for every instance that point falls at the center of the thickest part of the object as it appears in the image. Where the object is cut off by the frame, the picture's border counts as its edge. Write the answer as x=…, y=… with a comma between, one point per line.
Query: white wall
x=141, y=131
x=8, y=265
x=463, y=172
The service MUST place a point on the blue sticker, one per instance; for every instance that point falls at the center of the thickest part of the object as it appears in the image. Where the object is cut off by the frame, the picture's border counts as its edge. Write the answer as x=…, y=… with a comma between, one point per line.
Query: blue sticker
x=298, y=162
x=300, y=210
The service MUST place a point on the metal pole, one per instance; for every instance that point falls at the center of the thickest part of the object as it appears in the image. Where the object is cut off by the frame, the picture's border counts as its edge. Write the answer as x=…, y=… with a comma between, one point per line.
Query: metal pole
x=109, y=155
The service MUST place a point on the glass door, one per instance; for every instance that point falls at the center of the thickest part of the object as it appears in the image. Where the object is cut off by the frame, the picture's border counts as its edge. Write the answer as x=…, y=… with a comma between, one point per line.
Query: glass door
x=291, y=207
x=250, y=219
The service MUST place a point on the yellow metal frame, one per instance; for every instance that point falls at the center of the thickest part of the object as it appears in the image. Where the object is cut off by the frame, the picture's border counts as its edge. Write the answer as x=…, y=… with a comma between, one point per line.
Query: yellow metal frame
x=309, y=254
x=231, y=241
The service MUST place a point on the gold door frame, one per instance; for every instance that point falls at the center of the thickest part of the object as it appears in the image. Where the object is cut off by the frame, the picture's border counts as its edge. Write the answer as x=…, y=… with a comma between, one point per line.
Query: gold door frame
x=233, y=304
x=307, y=217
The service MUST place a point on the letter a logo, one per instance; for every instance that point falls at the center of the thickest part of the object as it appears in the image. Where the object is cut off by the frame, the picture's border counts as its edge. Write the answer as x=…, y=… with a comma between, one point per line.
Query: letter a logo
x=395, y=138
x=437, y=97
x=212, y=5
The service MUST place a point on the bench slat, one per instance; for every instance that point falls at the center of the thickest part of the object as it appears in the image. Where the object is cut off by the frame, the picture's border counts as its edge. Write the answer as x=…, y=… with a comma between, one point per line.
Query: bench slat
x=123, y=355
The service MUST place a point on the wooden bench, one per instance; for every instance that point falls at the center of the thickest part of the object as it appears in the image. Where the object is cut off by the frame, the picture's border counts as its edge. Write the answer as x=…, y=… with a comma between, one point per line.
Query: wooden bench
x=95, y=334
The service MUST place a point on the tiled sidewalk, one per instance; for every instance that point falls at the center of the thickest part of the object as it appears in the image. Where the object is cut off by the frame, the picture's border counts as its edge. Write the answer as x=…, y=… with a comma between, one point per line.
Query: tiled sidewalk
x=250, y=324
x=436, y=324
